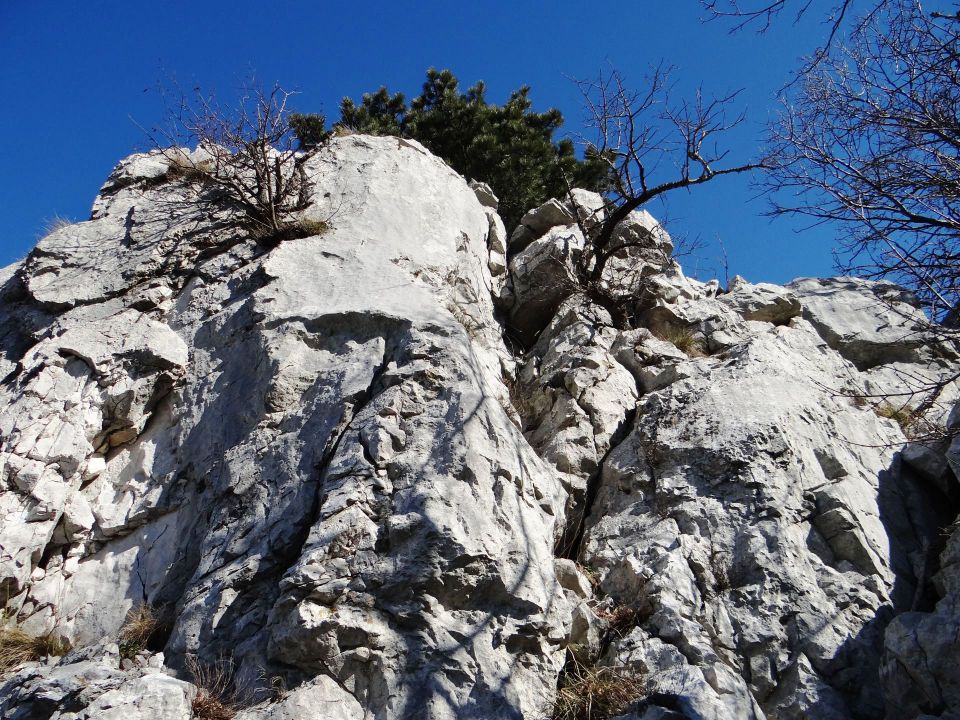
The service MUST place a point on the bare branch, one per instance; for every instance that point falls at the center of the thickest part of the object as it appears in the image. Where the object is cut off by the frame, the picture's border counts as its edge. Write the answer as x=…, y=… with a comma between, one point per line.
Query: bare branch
x=247, y=152
x=652, y=146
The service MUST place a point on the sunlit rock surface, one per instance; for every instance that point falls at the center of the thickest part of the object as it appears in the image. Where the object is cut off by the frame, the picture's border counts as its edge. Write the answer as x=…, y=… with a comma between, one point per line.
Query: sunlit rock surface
x=322, y=467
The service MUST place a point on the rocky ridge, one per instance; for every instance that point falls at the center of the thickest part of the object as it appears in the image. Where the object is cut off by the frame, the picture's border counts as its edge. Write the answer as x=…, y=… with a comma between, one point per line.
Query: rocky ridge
x=322, y=462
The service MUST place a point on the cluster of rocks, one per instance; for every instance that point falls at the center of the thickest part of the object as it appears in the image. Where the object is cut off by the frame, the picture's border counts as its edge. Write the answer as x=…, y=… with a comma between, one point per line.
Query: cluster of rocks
x=321, y=461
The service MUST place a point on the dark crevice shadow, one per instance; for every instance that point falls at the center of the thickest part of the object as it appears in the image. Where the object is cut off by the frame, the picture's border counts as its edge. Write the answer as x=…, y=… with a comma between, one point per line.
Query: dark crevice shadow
x=914, y=512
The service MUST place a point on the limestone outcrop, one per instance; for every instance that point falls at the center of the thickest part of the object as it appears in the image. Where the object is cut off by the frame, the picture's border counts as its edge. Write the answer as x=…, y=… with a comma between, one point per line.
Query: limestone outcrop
x=333, y=482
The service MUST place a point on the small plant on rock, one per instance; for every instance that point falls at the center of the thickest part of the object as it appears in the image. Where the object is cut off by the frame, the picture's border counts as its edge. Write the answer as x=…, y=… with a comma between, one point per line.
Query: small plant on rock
x=685, y=341
x=141, y=625
x=217, y=697
x=901, y=415
x=54, y=223
x=621, y=619
x=18, y=646
x=596, y=693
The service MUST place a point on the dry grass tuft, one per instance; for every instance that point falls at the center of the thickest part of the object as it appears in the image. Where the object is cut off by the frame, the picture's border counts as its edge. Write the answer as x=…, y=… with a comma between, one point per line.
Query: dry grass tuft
x=304, y=227
x=902, y=415
x=17, y=647
x=54, y=223
x=621, y=619
x=309, y=227
x=685, y=341
x=139, y=627
x=217, y=696
x=596, y=693
x=182, y=167
x=207, y=707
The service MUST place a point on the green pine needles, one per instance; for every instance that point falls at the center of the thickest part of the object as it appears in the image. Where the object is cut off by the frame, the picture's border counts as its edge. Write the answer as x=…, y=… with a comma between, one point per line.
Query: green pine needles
x=508, y=146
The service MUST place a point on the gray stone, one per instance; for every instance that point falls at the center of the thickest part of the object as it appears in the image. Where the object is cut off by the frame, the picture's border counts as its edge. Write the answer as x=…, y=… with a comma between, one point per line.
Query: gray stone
x=762, y=301
x=306, y=459
x=288, y=450
x=484, y=194
x=570, y=578
x=869, y=323
x=589, y=207
x=550, y=214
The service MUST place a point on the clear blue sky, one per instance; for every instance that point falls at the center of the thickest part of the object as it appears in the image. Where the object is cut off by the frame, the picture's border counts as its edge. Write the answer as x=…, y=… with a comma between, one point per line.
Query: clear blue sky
x=76, y=75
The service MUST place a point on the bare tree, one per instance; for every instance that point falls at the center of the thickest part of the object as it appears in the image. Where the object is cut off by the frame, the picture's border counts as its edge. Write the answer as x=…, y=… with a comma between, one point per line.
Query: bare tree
x=868, y=141
x=871, y=141
x=248, y=152
x=652, y=146
x=761, y=14
x=869, y=138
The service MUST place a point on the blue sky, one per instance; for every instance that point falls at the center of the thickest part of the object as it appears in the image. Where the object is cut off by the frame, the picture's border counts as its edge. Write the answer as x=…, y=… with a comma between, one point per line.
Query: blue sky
x=79, y=76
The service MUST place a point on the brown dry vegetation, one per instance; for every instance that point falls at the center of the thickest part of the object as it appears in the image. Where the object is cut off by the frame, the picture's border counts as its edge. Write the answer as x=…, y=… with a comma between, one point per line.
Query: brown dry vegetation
x=217, y=697
x=902, y=415
x=684, y=340
x=596, y=693
x=18, y=646
x=140, y=625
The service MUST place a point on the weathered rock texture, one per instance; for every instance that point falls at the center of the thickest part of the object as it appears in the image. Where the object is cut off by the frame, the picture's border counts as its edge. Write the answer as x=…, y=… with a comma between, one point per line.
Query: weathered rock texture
x=319, y=462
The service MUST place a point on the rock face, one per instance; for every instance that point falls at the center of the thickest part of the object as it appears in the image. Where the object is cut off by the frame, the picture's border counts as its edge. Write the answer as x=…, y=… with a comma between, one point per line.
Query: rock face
x=320, y=462
x=301, y=456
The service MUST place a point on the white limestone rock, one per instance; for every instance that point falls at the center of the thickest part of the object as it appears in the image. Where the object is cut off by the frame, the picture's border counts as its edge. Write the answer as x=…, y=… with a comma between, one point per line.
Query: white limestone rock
x=306, y=459
x=587, y=206
x=869, y=323
x=735, y=486
x=761, y=301
x=485, y=194
x=89, y=685
x=551, y=214
x=300, y=454
x=543, y=276
x=749, y=473
x=151, y=697
x=570, y=578
x=321, y=697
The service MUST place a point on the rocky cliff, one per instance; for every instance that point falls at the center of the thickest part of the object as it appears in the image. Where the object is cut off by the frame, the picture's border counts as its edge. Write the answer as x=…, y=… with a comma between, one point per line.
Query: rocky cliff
x=400, y=469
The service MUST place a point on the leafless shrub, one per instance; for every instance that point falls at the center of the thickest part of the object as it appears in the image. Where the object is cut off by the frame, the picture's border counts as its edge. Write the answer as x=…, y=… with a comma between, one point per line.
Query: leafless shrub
x=247, y=153
x=638, y=135
x=869, y=141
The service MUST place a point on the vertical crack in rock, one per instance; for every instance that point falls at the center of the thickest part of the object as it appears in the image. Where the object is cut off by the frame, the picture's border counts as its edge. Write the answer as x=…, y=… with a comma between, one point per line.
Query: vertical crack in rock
x=353, y=406
x=570, y=545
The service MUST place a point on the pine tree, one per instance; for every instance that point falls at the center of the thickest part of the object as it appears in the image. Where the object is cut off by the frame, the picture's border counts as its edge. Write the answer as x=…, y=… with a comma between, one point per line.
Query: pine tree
x=508, y=146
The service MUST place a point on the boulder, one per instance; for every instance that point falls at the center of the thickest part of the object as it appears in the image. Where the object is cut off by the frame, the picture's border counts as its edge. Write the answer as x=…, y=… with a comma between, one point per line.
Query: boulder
x=551, y=214
x=484, y=194
x=543, y=276
x=869, y=323
x=762, y=301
